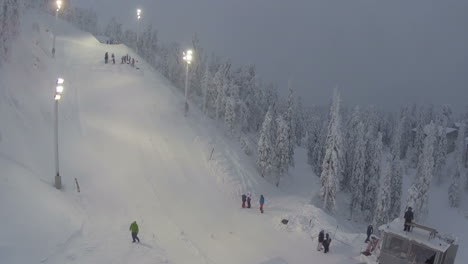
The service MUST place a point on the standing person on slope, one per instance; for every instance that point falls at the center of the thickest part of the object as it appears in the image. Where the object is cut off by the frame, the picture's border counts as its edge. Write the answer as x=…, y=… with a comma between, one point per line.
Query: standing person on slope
x=262, y=201
x=134, y=230
x=106, y=57
x=249, y=199
x=244, y=198
x=370, y=231
x=408, y=219
x=321, y=237
x=326, y=243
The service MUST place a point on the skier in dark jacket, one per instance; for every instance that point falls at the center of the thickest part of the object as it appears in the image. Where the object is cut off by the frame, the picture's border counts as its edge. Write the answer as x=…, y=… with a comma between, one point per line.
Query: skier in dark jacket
x=249, y=199
x=106, y=57
x=134, y=230
x=262, y=201
x=408, y=219
x=321, y=237
x=326, y=243
x=244, y=198
x=113, y=58
x=370, y=231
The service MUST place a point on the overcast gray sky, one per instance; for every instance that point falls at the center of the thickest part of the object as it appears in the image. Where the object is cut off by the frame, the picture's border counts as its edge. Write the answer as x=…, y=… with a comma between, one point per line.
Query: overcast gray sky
x=382, y=52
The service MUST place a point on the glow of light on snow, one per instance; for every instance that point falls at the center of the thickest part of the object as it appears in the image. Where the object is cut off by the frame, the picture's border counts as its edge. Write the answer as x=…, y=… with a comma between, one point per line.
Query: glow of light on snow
x=57, y=97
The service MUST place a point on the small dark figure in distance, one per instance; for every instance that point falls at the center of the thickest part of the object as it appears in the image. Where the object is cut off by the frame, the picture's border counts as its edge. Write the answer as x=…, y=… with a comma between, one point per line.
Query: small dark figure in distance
x=134, y=230
x=326, y=243
x=133, y=62
x=370, y=231
x=113, y=58
x=106, y=57
x=244, y=198
x=408, y=219
x=321, y=237
x=249, y=199
x=262, y=202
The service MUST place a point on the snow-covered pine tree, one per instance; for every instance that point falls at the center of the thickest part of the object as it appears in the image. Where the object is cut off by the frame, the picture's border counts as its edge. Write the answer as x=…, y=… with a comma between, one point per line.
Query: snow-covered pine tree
x=331, y=166
x=454, y=190
x=418, y=141
x=440, y=151
x=219, y=84
x=371, y=191
x=282, y=147
x=9, y=26
x=266, y=161
x=197, y=67
x=206, y=80
x=396, y=169
x=291, y=121
x=313, y=134
x=349, y=142
x=230, y=116
x=114, y=30
x=405, y=131
x=357, y=182
x=398, y=136
x=300, y=119
x=418, y=194
x=383, y=212
x=320, y=147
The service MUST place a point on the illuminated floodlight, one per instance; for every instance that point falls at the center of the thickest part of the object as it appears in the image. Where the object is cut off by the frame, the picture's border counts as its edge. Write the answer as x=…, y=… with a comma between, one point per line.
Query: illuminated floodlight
x=188, y=56
x=60, y=81
x=59, y=4
x=57, y=97
x=59, y=89
x=138, y=13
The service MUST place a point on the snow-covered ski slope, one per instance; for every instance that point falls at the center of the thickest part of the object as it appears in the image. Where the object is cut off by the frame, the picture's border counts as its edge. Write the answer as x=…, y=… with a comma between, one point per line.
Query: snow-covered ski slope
x=124, y=136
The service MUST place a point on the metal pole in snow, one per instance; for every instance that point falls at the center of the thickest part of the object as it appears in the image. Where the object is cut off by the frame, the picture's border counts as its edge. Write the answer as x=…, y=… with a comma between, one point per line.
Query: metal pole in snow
x=58, y=179
x=186, y=89
x=138, y=30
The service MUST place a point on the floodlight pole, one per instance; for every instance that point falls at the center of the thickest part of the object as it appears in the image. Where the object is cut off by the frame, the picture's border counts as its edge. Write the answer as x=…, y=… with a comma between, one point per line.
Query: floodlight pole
x=58, y=179
x=186, y=88
x=188, y=56
x=138, y=28
x=58, y=96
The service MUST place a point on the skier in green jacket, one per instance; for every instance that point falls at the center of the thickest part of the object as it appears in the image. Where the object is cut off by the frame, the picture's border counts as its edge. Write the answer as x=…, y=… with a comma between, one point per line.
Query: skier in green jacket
x=134, y=230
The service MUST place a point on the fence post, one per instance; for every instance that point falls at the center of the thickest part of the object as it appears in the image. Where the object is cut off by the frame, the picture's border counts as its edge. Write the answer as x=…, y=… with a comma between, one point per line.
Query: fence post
x=77, y=185
x=211, y=155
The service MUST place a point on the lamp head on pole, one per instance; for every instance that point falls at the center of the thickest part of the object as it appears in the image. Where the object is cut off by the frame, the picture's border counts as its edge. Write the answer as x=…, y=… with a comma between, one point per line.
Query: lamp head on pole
x=188, y=56
x=138, y=13
x=59, y=4
x=59, y=89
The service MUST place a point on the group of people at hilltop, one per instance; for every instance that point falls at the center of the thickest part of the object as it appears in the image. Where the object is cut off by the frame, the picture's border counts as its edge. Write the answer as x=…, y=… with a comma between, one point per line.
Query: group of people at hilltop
x=248, y=199
x=124, y=59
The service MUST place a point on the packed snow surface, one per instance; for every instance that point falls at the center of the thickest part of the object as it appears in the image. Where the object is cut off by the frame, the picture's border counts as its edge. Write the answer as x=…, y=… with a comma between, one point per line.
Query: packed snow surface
x=124, y=137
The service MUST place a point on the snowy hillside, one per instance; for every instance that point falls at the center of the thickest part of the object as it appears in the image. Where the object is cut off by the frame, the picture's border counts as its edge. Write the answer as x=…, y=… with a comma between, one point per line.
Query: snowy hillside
x=124, y=137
